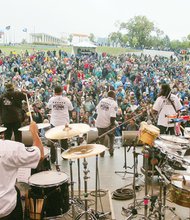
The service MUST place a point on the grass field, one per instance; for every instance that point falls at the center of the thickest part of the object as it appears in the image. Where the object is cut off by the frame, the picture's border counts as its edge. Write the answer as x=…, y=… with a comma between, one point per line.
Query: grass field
x=19, y=48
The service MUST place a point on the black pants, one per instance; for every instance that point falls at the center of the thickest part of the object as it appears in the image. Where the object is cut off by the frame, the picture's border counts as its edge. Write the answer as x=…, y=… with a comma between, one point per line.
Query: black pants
x=13, y=128
x=17, y=213
x=64, y=146
x=111, y=136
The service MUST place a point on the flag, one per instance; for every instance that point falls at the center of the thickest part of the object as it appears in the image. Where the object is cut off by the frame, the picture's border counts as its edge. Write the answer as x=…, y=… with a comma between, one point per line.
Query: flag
x=8, y=27
x=24, y=30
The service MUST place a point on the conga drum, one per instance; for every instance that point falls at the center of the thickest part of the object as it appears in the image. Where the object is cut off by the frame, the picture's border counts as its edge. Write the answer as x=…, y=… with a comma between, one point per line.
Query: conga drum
x=148, y=133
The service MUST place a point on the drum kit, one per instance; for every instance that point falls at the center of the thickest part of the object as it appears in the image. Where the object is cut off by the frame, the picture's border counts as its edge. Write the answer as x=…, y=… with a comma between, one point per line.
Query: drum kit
x=48, y=196
x=168, y=157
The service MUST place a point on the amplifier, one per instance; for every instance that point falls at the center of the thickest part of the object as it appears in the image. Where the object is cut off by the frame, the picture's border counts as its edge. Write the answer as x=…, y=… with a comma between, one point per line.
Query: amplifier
x=130, y=138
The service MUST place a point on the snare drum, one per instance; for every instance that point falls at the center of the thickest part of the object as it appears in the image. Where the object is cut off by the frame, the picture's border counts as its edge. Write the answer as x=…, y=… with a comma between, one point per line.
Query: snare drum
x=43, y=165
x=148, y=133
x=179, y=191
x=48, y=197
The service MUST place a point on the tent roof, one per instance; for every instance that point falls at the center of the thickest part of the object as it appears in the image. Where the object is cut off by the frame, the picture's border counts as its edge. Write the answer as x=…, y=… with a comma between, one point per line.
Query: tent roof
x=85, y=44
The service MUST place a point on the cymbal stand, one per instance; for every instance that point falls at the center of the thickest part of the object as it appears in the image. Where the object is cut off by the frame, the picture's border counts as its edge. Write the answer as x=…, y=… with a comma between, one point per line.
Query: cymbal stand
x=96, y=212
x=79, y=180
x=135, y=174
x=72, y=188
x=146, y=197
x=87, y=212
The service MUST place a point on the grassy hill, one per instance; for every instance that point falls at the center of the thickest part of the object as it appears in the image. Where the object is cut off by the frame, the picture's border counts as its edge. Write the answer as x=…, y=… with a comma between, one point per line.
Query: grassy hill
x=19, y=48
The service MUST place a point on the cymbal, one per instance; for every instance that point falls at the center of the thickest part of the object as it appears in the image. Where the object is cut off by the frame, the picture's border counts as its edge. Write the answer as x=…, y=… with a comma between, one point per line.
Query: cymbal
x=2, y=129
x=83, y=151
x=173, y=138
x=67, y=131
x=39, y=125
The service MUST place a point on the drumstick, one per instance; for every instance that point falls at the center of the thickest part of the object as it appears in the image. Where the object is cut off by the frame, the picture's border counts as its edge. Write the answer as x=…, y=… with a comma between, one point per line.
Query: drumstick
x=31, y=119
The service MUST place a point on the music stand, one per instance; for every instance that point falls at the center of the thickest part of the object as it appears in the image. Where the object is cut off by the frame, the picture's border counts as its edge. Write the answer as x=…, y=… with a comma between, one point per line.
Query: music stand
x=129, y=139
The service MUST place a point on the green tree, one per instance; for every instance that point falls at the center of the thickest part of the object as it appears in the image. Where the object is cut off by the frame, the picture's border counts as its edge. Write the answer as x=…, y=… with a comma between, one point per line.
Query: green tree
x=139, y=30
x=115, y=37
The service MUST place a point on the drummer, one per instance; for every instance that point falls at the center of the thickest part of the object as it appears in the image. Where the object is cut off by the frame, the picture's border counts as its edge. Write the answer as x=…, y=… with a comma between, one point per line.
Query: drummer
x=14, y=155
x=166, y=104
x=60, y=107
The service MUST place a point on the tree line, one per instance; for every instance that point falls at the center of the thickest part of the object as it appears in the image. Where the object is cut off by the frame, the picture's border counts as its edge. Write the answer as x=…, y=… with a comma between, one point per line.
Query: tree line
x=139, y=32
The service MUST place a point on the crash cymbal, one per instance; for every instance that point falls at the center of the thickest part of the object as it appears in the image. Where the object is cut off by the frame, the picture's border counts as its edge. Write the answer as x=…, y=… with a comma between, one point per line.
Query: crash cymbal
x=83, y=128
x=67, y=131
x=173, y=138
x=83, y=151
x=2, y=129
x=39, y=125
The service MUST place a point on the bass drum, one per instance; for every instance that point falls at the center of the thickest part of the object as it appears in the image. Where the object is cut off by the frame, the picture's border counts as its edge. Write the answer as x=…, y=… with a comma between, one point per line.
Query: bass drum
x=48, y=197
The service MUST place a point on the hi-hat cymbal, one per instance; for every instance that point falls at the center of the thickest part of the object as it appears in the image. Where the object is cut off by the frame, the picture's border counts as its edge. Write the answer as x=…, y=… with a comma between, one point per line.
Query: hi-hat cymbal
x=2, y=129
x=39, y=125
x=67, y=131
x=83, y=151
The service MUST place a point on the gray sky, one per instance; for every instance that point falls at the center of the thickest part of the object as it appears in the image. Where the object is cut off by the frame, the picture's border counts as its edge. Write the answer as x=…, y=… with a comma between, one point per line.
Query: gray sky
x=92, y=16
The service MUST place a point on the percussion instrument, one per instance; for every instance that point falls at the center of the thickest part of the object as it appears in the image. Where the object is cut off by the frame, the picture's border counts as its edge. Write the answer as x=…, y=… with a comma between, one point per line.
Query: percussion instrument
x=174, y=139
x=48, y=197
x=39, y=125
x=92, y=135
x=148, y=133
x=83, y=151
x=67, y=131
x=180, y=189
x=44, y=164
x=2, y=129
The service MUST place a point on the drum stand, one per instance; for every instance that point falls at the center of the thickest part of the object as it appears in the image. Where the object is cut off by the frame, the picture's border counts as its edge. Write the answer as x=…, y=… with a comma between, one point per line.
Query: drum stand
x=87, y=212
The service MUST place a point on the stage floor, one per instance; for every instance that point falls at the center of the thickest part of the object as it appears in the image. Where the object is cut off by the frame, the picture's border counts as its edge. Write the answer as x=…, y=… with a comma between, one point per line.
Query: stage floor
x=110, y=179
x=111, y=176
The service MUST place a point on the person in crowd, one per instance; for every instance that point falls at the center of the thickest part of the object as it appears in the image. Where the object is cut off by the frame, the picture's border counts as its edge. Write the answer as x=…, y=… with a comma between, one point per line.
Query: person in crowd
x=60, y=107
x=11, y=112
x=166, y=105
x=106, y=115
x=14, y=155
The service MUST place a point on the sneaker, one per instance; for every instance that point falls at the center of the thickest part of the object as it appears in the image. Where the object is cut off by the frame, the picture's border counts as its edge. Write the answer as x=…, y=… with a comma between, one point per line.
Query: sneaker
x=111, y=152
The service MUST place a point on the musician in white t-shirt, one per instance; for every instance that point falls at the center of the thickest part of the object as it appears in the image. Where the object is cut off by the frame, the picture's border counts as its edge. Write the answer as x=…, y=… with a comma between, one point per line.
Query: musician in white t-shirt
x=14, y=155
x=106, y=115
x=60, y=106
x=167, y=104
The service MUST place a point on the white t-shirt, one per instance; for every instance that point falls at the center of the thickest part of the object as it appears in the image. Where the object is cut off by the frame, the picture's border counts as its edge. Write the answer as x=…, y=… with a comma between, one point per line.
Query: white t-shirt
x=106, y=109
x=13, y=155
x=60, y=107
x=164, y=107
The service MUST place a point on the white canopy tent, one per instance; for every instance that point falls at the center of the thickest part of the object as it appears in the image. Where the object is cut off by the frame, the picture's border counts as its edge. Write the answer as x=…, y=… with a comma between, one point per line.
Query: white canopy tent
x=83, y=48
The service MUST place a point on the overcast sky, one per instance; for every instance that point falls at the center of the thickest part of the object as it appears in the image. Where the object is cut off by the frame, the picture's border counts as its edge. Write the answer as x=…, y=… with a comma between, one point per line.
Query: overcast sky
x=92, y=16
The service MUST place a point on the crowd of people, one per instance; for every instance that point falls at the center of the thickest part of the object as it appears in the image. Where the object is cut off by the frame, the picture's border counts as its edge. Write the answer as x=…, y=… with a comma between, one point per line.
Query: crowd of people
x=85, y=80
